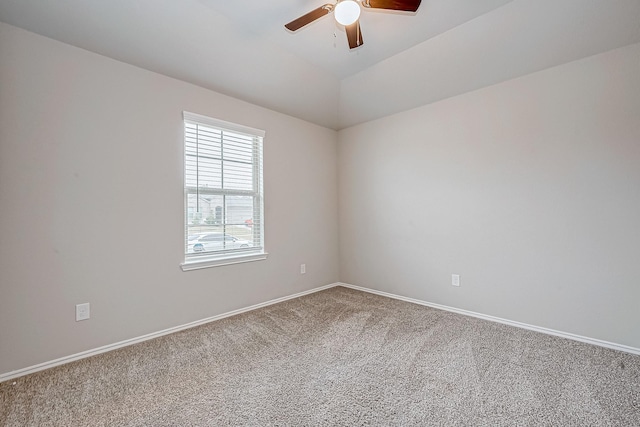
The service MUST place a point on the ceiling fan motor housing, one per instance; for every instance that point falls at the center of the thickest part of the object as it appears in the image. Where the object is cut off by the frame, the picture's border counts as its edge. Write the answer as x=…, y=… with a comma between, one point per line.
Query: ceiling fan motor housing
x=347, y=13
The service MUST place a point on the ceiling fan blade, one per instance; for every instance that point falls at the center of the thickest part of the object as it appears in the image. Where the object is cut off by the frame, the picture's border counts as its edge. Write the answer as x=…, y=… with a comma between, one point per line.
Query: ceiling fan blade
x=404, y=5
x=354, y=35
x=318, y=13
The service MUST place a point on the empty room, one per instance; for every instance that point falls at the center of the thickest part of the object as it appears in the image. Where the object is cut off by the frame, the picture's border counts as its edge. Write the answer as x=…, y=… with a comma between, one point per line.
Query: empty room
x=299, y=213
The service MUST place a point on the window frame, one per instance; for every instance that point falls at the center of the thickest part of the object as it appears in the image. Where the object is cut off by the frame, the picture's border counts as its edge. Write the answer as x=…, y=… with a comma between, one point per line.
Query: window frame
x=230, y=256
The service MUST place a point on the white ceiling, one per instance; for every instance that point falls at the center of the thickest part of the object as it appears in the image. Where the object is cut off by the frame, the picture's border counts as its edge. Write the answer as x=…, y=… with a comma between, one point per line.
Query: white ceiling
x=324, y=42
x=241, y=48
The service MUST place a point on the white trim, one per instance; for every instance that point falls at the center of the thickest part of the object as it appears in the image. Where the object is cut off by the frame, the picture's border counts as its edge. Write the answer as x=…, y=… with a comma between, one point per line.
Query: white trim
x=196, y=264
x=93, y=352
x=594, y=341
x=216, y=123
x=72, y=358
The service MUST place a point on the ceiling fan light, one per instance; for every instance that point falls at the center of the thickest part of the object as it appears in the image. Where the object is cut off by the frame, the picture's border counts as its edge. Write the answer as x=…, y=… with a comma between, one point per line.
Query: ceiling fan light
x=347, y=12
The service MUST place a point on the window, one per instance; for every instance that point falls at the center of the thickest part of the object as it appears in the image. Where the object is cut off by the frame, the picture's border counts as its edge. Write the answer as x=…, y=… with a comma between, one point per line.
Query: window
x=223, y=195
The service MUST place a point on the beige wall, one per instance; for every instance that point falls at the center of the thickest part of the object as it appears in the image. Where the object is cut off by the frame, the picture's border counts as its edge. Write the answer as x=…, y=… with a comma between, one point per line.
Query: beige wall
x=87, y=146
x=529, y=189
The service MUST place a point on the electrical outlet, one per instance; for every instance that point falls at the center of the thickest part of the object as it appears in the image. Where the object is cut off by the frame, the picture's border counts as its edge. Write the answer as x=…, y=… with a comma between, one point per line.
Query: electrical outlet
x=303, y=268
x=83, y=311
x=455, y=280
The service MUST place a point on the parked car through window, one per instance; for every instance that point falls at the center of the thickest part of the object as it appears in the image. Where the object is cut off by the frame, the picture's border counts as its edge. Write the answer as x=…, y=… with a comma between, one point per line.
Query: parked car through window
x=211, y=242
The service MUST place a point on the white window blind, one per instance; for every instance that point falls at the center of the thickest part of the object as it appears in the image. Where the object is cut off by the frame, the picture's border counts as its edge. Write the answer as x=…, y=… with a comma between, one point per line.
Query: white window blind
x=222, y=190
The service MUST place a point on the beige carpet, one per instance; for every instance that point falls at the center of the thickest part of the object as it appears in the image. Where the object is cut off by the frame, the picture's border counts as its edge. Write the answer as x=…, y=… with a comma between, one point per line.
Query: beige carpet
x=337, y=357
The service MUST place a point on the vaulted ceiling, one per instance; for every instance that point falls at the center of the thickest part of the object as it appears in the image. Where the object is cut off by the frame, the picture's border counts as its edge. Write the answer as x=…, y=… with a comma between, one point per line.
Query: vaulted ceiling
x=242, y=49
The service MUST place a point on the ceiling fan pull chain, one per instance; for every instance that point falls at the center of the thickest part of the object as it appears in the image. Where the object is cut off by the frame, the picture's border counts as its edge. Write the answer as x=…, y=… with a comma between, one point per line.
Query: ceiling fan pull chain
x=347, y=13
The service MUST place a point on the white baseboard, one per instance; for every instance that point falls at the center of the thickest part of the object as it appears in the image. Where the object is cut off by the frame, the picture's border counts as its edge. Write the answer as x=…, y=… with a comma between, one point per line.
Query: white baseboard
x=93, y=352
x=601, y=343
x=88, y=353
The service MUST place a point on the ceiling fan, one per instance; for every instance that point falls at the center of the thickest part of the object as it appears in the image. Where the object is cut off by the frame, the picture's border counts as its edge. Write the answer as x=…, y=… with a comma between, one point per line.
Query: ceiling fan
x=347, y=13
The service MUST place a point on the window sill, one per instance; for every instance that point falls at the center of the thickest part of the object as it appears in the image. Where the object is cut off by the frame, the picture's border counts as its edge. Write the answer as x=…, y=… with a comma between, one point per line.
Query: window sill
x=217, y=262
